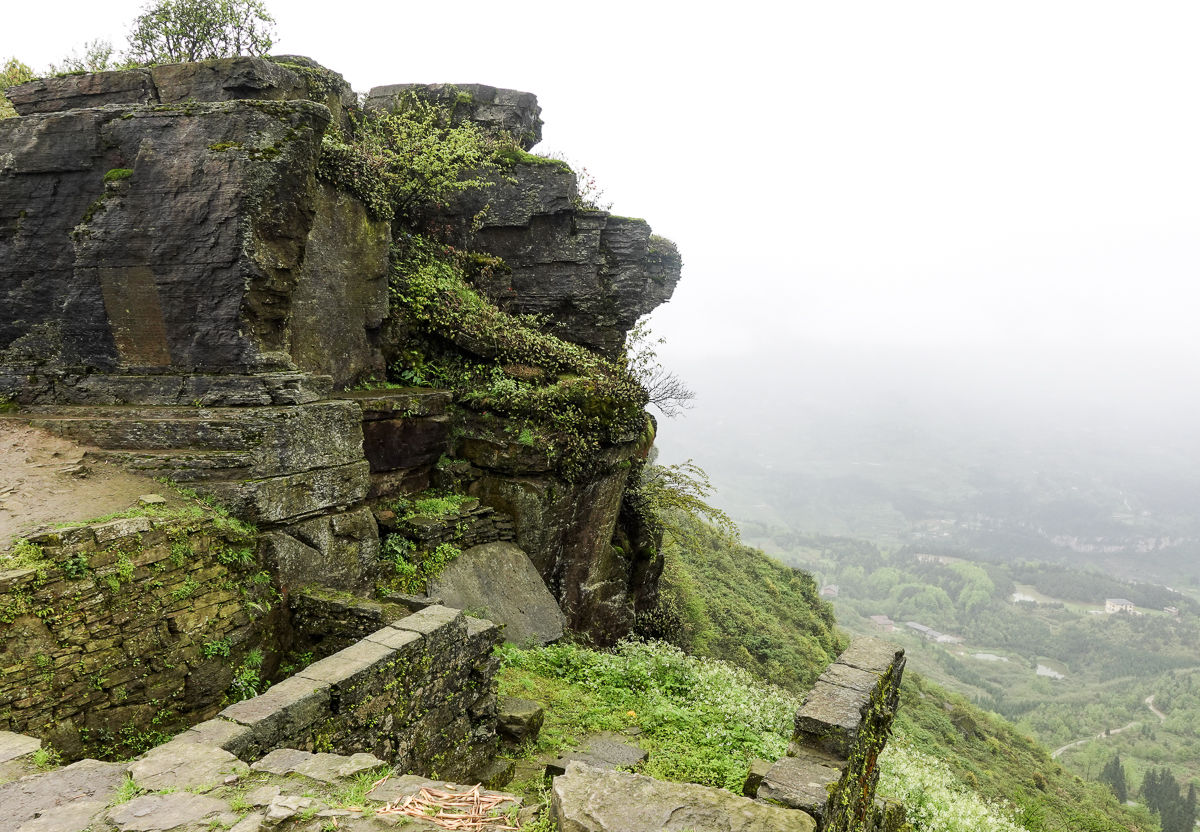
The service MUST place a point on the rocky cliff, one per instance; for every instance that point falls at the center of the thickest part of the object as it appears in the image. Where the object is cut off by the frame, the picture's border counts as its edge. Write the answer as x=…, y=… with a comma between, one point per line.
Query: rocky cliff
x=185, y=290
x=380, y=351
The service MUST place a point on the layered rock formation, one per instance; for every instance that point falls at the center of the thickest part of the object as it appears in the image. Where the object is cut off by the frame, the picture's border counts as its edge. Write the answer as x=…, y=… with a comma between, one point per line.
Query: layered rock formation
x=182, y=291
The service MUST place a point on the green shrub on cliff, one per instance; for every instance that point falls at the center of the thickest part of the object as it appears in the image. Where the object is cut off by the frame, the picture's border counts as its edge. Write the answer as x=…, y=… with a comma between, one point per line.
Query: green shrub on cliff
x=402, y=162
x=575, y=402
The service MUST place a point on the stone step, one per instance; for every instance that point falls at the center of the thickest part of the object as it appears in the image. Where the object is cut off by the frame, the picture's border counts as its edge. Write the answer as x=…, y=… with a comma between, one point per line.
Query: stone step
x=400, y=403
x=208, y=390
x=182, y=465
x=283, y=439
x=139, y=430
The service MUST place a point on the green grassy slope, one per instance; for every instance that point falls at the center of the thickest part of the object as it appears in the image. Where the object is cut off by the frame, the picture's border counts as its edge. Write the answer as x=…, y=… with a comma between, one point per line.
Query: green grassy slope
x=735, y=603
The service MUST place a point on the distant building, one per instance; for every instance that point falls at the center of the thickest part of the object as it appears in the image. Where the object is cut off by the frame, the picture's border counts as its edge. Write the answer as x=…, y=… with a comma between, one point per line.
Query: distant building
x=1171, y=610
x=884, y=623
x=829, y=591
x=932, y=634
x=1114, y=605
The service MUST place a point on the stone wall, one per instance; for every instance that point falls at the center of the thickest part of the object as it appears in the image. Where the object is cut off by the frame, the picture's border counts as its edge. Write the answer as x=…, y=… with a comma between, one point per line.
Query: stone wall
x=832, y=765
x=127, y=630
x=418, y=693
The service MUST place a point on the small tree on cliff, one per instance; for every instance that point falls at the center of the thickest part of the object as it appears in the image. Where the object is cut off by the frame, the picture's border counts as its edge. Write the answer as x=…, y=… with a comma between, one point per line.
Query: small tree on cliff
x=172, y=31
x=12, y=73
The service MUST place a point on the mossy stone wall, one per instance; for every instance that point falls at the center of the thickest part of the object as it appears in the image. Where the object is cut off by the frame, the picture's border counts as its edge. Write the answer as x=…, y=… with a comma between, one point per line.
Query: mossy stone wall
x=123, y=632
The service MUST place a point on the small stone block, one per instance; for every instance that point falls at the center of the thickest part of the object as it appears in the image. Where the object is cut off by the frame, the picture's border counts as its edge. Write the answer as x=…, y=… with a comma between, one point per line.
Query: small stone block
x=345, y=664
x=152, y=500
x=393, y=639
x=219, y=732
x=518, y=719
x=428, y=620
x=800, y=783
x=185, y=765
x=758, y=770
x=850, y=677
x=830, y=717
x=324, y=767
x=152, y=812
x=497, y=774
x=604, y=751
x=125, y=527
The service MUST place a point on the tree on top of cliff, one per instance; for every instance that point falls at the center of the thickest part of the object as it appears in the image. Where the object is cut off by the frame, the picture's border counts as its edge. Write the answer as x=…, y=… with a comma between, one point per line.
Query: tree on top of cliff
x=12, y=73
x=172, y=31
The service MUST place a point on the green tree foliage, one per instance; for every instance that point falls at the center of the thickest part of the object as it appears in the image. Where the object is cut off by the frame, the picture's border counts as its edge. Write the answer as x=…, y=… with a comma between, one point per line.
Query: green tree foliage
x=676, y=491
x=1114, y=775
x=14, y=72
x=173, y=31
x=1163, y=794
x=97, y=57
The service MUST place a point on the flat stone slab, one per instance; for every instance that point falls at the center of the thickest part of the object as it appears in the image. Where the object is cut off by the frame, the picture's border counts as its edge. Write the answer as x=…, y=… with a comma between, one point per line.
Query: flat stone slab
x=185, y=765
x=871, y=654
x=518, y=719
x=589, y=799
x=87, y=780
x=830, y=717
x=800, y=783
x=500, y=581
x=75, y=816
x=13, y=745
x=606, y=751
x=162, y=812
x=324, y=767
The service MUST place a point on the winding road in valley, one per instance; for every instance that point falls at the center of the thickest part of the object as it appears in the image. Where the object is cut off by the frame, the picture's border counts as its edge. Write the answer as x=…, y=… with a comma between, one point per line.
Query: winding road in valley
x=1149, y=702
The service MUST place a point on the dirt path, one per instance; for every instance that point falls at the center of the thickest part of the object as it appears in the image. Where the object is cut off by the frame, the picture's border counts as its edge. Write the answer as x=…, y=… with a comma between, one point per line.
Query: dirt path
x=1099, y=736
x=46, y=480
x=1149, y=701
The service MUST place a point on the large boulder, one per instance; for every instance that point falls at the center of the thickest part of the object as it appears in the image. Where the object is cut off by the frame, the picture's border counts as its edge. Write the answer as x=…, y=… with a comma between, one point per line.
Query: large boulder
x=588, y=799
x=500, y=581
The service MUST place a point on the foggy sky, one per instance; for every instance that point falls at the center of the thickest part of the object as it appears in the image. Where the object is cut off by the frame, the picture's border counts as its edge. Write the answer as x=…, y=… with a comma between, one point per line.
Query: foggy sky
x=1010, y=188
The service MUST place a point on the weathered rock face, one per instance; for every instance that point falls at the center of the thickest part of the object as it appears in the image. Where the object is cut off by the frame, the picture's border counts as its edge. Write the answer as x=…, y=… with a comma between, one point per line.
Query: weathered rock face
x=567, y=529
x=286, y=78
x=507, y=111
x=190, y=237
x=590, y=273
x=152, y=238
x=499, y=580
x=179, y=289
